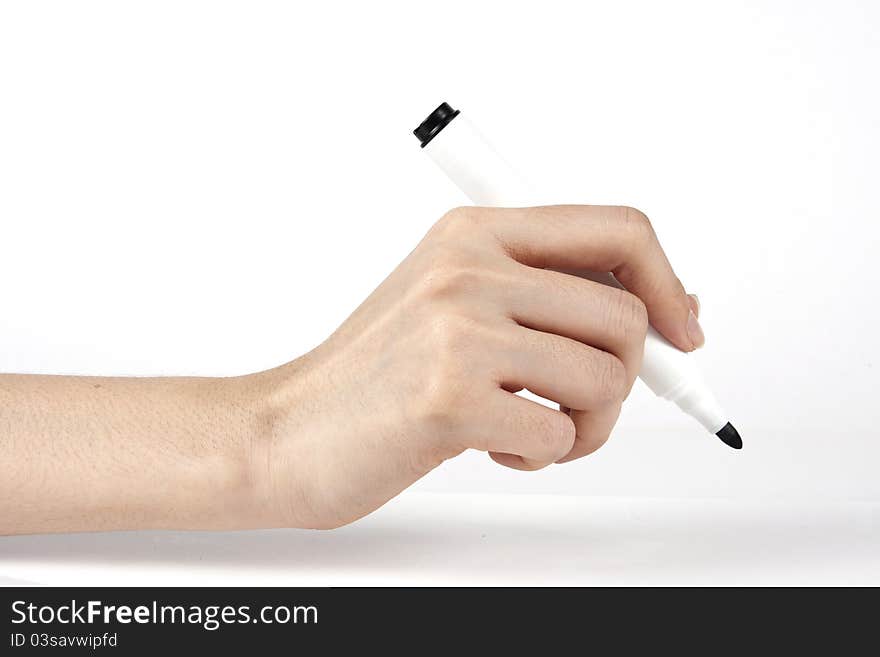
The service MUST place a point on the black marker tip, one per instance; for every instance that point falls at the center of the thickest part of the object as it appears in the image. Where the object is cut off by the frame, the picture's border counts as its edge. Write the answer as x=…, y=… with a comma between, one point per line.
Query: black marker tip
x=730, y=436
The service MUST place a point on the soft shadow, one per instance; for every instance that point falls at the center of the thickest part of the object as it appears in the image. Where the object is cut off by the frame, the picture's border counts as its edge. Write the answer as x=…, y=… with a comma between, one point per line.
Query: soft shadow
x=549, y=540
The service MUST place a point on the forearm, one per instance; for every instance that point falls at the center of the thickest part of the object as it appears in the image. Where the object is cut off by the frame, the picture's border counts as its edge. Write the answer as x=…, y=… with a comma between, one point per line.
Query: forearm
x=96, y=453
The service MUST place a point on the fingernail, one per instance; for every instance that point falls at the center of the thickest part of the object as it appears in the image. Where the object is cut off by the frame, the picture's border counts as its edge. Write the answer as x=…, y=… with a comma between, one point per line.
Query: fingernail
x=695, y=331
x=694, y=301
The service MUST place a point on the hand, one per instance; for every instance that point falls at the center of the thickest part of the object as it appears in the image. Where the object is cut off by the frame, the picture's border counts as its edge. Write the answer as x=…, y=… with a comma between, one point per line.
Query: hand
x=428, y=366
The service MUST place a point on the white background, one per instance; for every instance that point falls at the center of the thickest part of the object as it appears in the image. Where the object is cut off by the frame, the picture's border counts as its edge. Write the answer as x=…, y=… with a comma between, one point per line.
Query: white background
x=211, y=188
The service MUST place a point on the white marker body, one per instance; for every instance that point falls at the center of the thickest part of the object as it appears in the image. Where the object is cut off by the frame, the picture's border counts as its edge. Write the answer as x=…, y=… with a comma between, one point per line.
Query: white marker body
x=472, y=164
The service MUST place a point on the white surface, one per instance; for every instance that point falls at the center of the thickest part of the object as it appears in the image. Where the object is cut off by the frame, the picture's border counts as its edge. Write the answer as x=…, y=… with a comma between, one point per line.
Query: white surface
x=446, y=539
x=191, y=188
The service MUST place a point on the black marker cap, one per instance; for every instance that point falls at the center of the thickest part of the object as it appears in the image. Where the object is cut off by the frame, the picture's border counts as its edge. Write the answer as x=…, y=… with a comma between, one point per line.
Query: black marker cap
x=436, y=121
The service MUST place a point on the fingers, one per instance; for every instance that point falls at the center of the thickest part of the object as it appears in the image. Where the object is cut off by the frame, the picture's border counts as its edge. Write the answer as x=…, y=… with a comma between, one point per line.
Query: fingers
x=567, y=339
x=620, y=240
x=593, y=428
x=523, y=434
x=588, y=383
x=604, y=317
x=571, y=373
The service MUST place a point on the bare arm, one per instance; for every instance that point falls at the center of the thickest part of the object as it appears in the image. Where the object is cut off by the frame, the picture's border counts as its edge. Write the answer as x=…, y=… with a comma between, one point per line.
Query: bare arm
x=425, y=369
x=95, y=453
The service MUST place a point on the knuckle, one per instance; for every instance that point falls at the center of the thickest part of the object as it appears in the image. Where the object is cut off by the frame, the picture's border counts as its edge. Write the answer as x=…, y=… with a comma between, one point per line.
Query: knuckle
x=558, y=435
x=610, y=379
x=449, y=376
x=448, y=273
x=460, y=214
x=637, y=224
x=632, y=317
x=551, y=436
x=451, y=267
x=457, y=220
x=438, y=405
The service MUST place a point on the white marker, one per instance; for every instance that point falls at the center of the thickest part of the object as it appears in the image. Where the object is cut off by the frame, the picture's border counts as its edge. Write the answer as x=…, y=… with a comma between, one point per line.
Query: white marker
x=464, y=155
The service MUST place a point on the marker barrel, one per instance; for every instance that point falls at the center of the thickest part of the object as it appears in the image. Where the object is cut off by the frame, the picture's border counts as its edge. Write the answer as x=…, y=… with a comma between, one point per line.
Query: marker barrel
x=465, y=156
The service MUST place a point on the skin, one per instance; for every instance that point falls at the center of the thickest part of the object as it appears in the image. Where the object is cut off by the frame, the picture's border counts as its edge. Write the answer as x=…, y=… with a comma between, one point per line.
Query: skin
x=424, y=369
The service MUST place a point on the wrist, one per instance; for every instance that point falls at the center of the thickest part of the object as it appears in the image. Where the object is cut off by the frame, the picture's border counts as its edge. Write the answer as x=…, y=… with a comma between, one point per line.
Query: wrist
x=267, y=487
x=223, y=478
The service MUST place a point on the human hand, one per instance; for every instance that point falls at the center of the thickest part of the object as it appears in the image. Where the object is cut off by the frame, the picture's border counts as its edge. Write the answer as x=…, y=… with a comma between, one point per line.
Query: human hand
x=428, y=365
